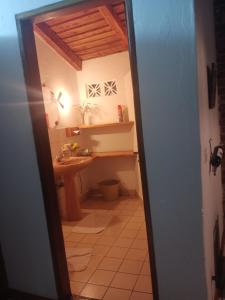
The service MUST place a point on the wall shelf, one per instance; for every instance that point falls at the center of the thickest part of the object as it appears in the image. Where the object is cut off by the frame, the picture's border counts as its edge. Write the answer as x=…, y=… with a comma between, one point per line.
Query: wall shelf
x=70, y=131
x=131, y=123
x=113, y=154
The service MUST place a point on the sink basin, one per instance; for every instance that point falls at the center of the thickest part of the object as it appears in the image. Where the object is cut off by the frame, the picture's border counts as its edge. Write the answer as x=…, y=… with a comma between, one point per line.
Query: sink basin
x=67, y=169
x=71, y=165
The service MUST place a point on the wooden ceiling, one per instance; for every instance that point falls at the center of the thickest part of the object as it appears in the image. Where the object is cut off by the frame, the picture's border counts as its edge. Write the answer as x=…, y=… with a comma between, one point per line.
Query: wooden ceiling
x=90, y=32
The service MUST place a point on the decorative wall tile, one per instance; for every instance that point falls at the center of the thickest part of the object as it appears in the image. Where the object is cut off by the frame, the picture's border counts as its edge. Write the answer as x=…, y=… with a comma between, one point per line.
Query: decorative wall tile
x=110, y=88
x=93, y=90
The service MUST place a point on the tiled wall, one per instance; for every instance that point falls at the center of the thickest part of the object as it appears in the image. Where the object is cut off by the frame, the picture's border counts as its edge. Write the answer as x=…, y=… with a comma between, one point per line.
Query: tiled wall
x=57, y=138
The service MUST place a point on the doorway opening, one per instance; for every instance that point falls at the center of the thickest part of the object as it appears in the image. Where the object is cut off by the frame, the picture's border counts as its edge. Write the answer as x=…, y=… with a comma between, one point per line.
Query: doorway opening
x=80, y=68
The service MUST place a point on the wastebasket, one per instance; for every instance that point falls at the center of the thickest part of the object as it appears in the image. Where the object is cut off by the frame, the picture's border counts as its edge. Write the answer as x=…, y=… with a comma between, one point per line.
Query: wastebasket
x=109, y=189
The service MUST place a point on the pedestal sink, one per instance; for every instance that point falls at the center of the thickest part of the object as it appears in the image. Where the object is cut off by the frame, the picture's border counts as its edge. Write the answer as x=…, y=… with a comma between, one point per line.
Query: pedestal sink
x=68, y=169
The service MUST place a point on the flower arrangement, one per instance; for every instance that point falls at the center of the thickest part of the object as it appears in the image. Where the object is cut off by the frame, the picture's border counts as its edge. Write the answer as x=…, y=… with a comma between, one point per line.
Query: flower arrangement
x=69, y=149
x=84, y=108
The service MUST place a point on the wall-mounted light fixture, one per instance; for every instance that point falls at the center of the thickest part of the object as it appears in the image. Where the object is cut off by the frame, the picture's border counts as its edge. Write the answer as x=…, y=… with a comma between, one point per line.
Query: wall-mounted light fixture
x=57, y=100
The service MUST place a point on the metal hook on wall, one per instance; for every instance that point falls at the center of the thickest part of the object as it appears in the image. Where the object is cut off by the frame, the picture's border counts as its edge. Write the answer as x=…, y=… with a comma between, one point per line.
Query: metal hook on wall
x=216, y=156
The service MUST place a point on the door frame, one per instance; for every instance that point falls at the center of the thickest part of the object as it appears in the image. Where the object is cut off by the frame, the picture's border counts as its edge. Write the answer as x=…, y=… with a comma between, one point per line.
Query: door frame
x=40, y=132
x=3, y=277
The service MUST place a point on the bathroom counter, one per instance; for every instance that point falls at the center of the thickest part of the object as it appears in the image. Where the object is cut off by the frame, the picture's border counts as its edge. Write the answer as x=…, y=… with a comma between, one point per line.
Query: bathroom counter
x=114, y=154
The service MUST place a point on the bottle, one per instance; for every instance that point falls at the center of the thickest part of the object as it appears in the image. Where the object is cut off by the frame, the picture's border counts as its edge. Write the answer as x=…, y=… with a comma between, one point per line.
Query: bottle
x=120, y=113
x=125, y=113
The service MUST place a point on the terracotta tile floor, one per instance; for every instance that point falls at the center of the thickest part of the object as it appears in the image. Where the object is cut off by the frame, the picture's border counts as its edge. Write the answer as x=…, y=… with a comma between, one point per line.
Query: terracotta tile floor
x=119, y=266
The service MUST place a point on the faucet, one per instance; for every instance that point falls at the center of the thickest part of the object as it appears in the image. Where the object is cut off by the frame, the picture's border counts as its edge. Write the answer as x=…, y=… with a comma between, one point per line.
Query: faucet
x=59, y=157
x=76, y=131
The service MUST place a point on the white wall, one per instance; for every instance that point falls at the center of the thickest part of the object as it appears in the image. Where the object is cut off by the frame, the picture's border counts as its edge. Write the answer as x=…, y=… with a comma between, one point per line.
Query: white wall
x=113, y=168
x=170, y=123
x=23, y=229
x=58, y=76
x=106, y=140
x=209, y=128
x=58, y=137
x=111, y=67
x=166, y=56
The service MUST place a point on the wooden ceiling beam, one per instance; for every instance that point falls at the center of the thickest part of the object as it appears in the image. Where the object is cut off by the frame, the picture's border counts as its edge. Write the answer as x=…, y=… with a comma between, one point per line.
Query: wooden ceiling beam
x=78, y=22
x=113, y=20
x=102, y=53
x=82, y=29
x=75, y=15
x=85, y=39
x=60, y=10
x=100, y=48
x=52, y=39
x=91, y=44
